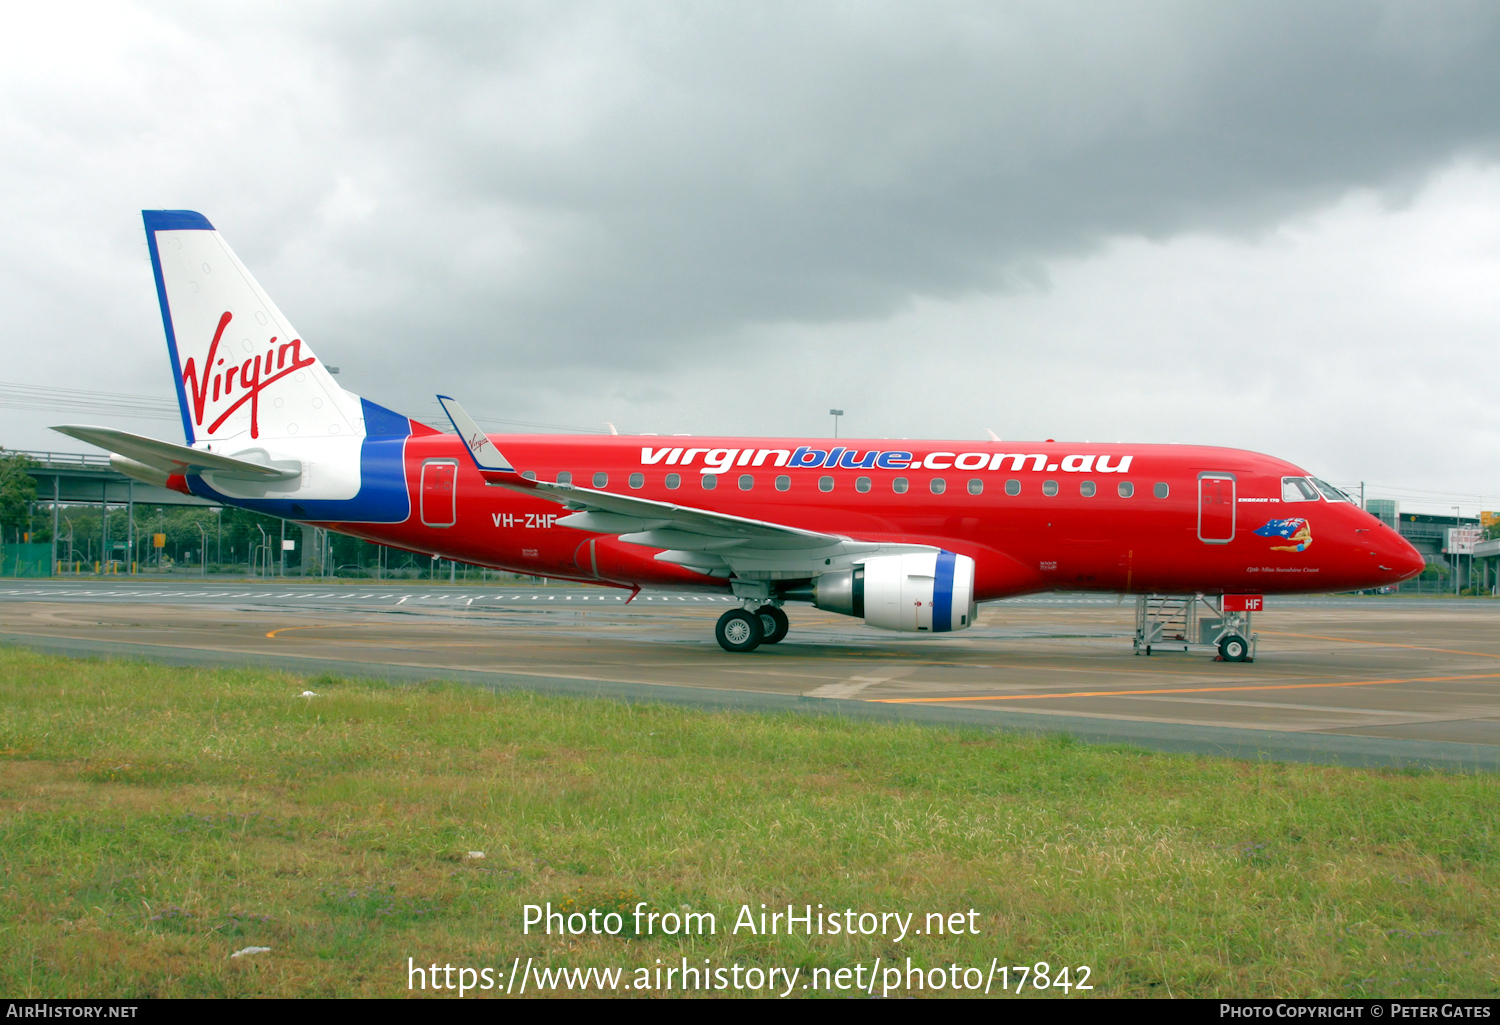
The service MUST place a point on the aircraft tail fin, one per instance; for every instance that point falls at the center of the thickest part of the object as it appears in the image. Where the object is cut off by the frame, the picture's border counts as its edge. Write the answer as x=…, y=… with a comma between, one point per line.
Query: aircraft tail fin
x=241, y=370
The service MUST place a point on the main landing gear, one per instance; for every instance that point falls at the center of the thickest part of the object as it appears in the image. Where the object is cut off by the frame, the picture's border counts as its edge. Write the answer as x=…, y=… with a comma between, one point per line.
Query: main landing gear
x=773, y=624
x=743, y=630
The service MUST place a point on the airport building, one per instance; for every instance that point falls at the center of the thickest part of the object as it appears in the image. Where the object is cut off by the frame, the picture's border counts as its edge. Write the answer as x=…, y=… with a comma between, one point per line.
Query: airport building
x=1473, y=561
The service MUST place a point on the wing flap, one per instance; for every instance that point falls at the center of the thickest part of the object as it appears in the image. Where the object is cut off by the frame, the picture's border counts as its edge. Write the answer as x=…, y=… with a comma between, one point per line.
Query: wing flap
x=609, y=523
x=682, y=539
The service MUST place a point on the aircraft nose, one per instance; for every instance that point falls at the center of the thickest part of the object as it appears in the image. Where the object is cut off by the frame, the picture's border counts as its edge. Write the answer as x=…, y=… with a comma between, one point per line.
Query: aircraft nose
x=1403, y=558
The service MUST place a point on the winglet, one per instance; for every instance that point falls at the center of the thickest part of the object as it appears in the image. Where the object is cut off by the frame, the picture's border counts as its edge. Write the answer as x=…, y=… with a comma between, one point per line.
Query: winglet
x=485, y=455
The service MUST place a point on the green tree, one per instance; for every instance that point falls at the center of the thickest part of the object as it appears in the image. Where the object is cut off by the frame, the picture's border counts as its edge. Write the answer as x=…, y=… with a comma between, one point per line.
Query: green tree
x=17, y=490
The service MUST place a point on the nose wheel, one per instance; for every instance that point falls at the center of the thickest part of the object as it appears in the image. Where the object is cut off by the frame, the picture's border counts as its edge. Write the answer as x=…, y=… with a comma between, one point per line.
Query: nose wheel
x=738, y=630
x=1234, y=648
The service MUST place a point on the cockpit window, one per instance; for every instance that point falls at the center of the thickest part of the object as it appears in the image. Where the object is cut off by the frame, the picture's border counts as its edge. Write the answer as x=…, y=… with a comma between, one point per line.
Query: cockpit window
x=1298, y=489
x=1332, y=493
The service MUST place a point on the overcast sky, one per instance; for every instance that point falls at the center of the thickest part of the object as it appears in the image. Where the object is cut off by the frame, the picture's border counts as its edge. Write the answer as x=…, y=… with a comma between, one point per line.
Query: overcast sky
x=1267, y=225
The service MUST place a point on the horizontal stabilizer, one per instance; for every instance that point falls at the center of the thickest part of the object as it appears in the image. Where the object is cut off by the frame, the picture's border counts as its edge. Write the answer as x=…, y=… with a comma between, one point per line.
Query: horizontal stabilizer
x=170, y=458
x=485, y=455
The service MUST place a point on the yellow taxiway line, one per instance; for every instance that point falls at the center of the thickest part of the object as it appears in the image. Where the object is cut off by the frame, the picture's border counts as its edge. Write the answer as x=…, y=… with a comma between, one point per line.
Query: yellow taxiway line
x=1179, y=690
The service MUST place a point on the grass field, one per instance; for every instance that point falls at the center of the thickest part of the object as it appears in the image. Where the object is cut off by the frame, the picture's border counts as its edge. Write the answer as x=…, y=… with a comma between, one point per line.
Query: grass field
x=154, y=820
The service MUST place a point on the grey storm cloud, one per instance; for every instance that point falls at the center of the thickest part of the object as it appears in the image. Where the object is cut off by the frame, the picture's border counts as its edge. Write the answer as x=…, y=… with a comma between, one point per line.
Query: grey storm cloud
x=617, y=181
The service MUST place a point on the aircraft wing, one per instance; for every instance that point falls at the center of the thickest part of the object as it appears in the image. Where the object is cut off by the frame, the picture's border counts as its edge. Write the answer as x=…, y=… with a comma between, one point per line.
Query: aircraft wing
x=171, y=458
x=711, y=542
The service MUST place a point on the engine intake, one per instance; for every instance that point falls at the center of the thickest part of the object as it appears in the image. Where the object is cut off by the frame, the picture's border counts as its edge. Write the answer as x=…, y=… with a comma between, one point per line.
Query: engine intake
x=919, y=592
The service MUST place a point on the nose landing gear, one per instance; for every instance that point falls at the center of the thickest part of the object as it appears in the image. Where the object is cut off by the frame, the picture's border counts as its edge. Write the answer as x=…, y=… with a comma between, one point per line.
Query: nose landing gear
x=1234, y=648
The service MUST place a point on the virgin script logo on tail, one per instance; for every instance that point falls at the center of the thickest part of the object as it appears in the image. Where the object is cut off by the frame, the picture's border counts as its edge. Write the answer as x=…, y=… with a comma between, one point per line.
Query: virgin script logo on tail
x=241, y=382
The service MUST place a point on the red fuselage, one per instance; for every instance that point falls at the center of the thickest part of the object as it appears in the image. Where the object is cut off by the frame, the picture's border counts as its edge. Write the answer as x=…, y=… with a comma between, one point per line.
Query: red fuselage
x=1044, y=518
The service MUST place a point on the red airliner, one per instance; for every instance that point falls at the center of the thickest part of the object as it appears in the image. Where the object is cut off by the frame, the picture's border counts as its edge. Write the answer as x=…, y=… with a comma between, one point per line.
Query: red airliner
x=906, y=535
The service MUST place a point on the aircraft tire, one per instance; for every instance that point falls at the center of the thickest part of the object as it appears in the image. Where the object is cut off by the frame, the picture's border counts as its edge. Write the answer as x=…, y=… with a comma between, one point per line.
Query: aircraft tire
x=1234, y=648
x=773, y=624
x=738, y=630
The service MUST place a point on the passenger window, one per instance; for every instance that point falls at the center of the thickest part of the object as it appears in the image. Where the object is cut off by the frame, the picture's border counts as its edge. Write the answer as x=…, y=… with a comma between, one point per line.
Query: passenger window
x=825, y=483
x=899, y=485
x=637, y=480
x=783, y=483
x=601, y=479
x=1049, y=488
x=976, y=486
x=1086, y=489
x=1012, y=488
x=747, y=481
x=1125, y=488
x=1298, y=489
x=674, y=481
x=1160, y=489
x=938, y=485
x=862, y=485
x=710, y=481
x=565, y=477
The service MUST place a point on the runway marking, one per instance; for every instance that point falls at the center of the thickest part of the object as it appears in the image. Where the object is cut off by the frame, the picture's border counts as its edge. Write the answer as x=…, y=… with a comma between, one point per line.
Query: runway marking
x=1379, y=644
x=854, y=684
x=1190, y=690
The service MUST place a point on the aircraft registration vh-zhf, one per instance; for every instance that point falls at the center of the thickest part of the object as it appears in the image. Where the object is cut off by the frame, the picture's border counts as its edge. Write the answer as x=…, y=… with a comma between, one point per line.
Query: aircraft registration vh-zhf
x=905, y=535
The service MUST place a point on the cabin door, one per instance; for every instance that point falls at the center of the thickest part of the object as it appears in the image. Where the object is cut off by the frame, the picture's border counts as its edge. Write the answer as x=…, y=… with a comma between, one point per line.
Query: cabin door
x=1216, y=508
x=438, y=492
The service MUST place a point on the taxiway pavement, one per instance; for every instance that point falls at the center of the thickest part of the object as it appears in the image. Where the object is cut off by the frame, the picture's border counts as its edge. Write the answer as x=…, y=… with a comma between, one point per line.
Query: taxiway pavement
x=1353, y=680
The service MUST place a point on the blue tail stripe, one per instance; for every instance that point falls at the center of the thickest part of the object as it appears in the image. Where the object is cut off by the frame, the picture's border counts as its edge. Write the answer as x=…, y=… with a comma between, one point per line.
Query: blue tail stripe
x=175, y=220
x=167, y=220
x=382, y=497
x=942, y=593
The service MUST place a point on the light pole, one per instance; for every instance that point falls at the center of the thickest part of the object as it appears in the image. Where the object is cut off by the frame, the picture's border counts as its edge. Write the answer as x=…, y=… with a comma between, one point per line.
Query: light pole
x=1457, y=559
x=203, y=549
x=835, y=413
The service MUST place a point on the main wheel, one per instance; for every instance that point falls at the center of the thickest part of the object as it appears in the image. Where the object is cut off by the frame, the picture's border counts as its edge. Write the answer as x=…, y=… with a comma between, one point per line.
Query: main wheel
x=773, y=624
x=739, y=630
x=1234, y=648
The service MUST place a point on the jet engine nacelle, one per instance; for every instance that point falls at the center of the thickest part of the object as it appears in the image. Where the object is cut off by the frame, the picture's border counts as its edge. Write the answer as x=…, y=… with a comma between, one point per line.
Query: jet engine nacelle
x=925, y=591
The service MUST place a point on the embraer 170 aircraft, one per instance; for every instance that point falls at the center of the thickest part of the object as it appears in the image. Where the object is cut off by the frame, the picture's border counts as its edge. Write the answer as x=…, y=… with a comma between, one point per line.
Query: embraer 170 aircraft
x=906, y=535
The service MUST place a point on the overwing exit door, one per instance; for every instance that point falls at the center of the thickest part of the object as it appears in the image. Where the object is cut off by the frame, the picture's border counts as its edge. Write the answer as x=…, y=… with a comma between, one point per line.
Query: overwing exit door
x=1216, y=500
